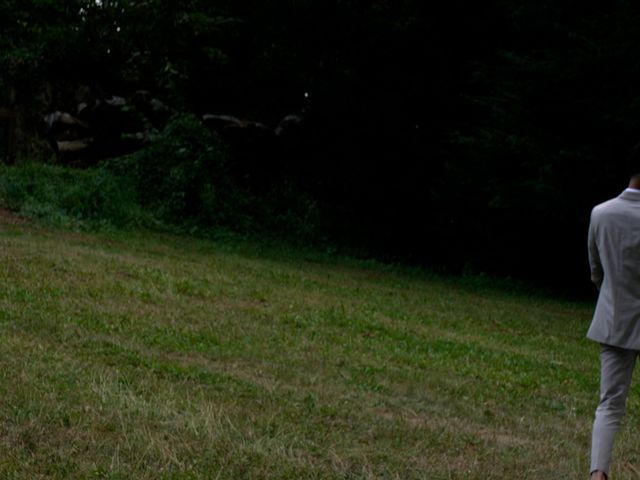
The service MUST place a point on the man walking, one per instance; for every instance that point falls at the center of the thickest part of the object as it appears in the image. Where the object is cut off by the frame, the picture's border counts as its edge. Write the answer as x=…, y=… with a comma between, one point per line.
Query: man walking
x=614, y=257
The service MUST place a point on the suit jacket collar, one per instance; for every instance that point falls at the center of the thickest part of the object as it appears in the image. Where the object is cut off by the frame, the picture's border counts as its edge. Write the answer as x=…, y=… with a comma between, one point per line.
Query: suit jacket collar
x=632, y=195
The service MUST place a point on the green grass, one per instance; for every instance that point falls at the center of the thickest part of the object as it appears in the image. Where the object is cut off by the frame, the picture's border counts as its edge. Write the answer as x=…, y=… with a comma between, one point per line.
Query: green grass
x=146, y=356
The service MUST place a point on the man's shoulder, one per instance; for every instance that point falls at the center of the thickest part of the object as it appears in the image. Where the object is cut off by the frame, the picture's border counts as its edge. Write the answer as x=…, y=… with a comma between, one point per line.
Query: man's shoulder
x=623, y=207
x=609, y=205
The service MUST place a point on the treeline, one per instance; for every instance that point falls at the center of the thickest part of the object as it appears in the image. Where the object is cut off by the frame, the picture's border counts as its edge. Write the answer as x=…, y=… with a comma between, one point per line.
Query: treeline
x=472, y=136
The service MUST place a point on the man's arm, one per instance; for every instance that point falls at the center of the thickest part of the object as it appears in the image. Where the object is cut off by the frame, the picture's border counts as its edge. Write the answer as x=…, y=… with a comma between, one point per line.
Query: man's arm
x=597, y=273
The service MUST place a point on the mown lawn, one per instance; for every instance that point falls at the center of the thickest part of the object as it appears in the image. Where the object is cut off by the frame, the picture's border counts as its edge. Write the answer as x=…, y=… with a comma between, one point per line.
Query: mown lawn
x=145, y=356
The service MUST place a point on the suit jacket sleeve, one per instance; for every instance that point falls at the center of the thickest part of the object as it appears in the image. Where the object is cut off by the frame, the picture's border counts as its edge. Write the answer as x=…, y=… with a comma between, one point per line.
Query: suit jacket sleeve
x=597, y=273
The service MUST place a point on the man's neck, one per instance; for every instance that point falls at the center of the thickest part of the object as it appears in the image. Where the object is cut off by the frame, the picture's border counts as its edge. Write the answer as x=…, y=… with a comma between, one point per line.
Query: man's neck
x=634, y=182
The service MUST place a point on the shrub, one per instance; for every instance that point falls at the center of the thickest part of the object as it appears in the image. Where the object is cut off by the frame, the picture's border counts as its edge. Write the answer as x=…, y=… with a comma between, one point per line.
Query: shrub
x=181, y=182
x=69, y=197
x=181, y=178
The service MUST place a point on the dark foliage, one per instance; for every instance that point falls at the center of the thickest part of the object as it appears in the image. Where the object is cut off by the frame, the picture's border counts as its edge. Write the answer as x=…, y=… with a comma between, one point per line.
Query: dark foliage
x=71, y=198
x=184, y=180
x=182, y=176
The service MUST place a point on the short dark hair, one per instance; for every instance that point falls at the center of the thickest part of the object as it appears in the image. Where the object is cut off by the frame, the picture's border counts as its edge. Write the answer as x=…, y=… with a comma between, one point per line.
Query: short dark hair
x=633, y=161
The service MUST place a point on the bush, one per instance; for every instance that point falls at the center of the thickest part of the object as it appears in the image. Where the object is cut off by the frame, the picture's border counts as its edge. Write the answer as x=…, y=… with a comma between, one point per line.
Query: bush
x=185, y=180
x=181, y=178
x=180, y=183
x=69, y=197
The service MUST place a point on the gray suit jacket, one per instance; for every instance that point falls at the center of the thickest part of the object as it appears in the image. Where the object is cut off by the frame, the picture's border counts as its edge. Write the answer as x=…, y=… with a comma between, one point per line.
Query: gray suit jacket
x=614, y=256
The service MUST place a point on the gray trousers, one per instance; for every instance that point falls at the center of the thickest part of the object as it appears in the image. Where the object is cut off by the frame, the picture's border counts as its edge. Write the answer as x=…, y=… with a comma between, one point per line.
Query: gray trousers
x=616, y=369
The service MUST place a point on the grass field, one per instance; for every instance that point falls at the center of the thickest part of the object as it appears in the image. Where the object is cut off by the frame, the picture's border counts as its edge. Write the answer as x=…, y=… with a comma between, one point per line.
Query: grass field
x=146, y=356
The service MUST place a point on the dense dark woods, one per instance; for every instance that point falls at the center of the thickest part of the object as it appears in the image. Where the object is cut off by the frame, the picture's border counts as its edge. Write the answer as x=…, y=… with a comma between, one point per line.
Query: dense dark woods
x=469, y=136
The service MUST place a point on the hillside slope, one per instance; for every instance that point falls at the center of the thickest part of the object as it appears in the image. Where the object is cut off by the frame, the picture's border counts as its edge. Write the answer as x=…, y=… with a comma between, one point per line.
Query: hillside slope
x=147, y=356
